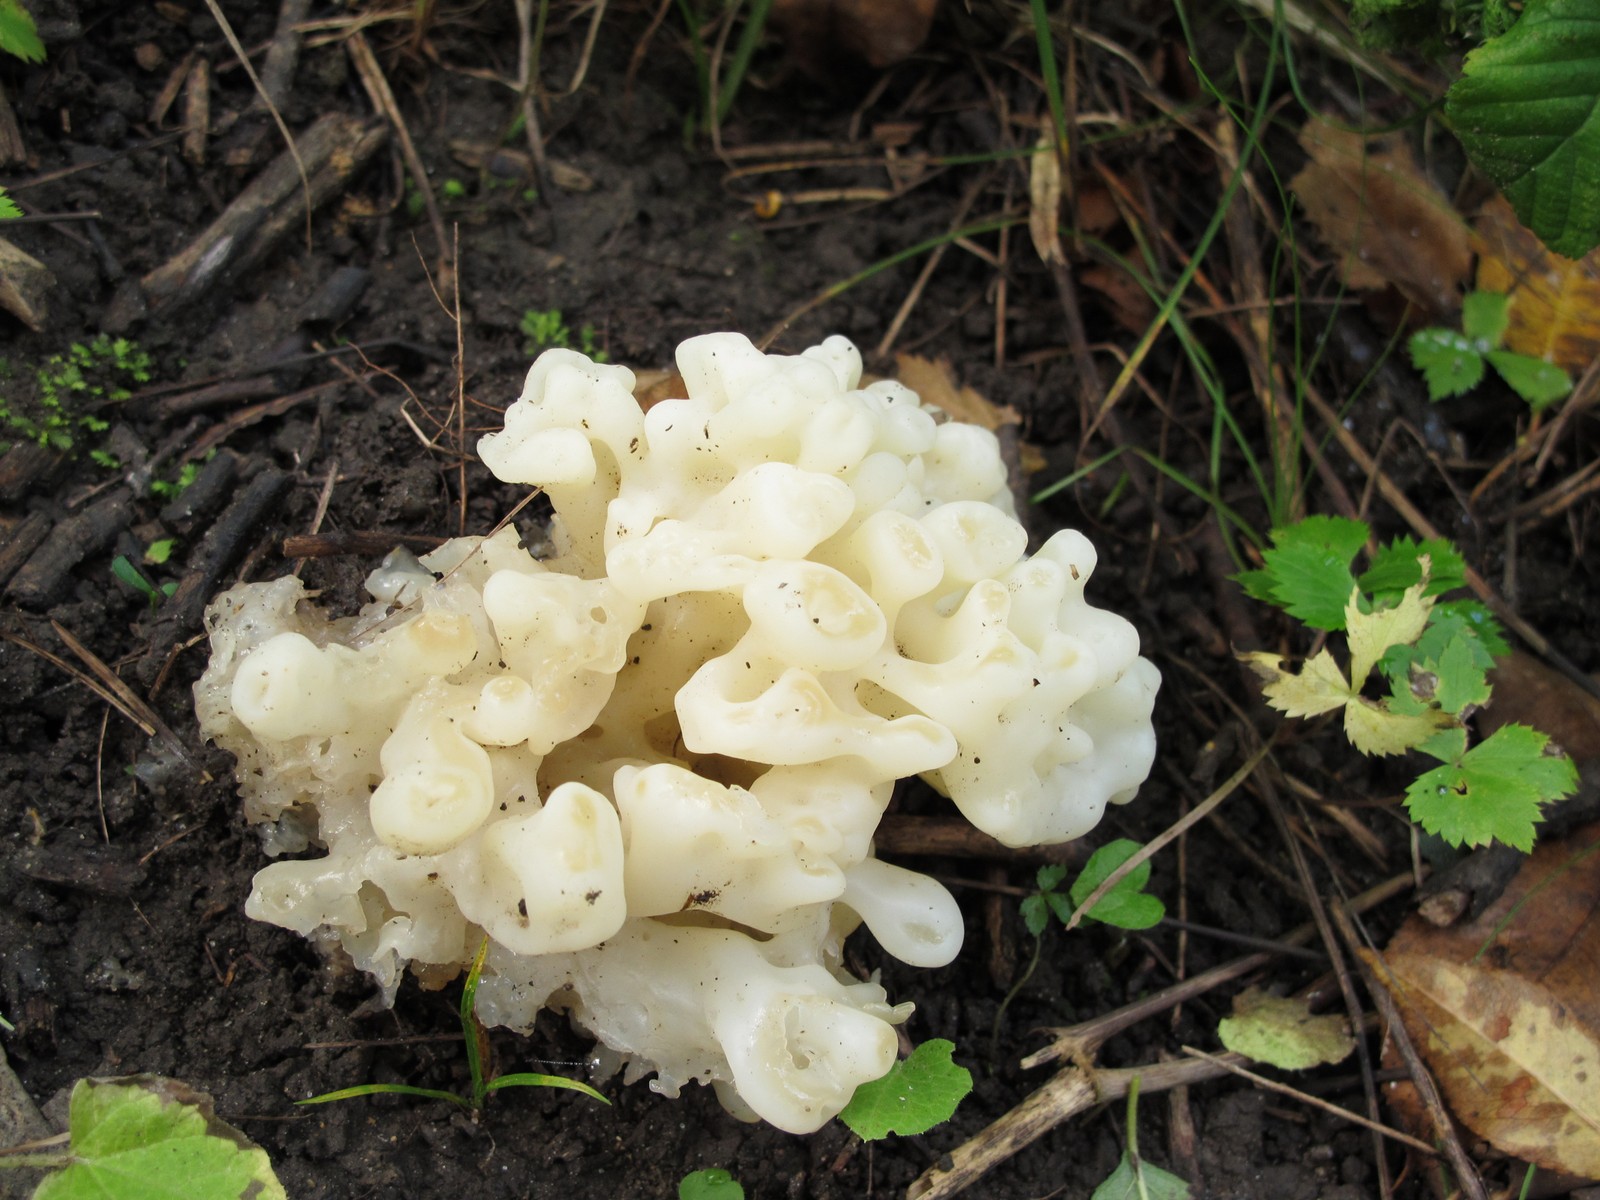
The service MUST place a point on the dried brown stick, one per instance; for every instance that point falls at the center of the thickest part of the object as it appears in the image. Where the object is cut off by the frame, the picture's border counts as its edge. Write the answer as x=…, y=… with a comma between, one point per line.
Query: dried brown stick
x=1378, y=988
x=359, y=543
x=953, y=837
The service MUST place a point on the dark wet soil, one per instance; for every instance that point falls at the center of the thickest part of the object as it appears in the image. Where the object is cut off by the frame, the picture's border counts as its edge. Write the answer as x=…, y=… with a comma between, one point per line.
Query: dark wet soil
x=123, y=943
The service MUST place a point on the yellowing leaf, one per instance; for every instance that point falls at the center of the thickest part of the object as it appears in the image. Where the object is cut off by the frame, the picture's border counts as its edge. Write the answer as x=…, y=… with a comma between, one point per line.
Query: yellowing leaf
x=1044, y=199
x=1555, y=301
x=1318, y=688
x=1281, y=1030
x=1373, y=729
x=1372, y=205
x=1515, y=1064
x=1371, y=634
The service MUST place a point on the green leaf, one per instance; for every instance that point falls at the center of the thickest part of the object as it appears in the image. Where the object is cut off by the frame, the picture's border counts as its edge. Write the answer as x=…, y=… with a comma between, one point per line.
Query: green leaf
x=1484, y=318
x=1257, y=585
x=1125, y=906
x=1538, y=382
x=1141, y=1181
x=1462, y=675
x=142, y=1137
x=711, y=1184
x=918, y=1093
x=1494, y=792
x=1035, y=914
x=1525, y=109
x=1450, y=364
x=8, y=207
x=18, y=34
x=1308, y=569
x=1398, y=565
x=1480, y=619
x=1282, y=1031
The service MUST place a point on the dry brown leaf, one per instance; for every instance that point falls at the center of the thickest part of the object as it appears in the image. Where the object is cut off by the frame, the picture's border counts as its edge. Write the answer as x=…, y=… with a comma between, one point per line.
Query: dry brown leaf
x=934, y=382
x=1371, y=204
x=1506, y=1012
x=880, y=32
x=1555, y=302
x=1044, y=200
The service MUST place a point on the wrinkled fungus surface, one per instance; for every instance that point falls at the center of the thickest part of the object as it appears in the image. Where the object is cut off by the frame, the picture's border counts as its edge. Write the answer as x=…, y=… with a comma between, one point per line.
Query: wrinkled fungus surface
x=647, y=762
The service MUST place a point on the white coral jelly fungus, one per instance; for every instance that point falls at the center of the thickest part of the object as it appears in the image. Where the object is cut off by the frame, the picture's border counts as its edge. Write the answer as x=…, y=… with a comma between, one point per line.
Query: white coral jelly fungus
x=648, y=766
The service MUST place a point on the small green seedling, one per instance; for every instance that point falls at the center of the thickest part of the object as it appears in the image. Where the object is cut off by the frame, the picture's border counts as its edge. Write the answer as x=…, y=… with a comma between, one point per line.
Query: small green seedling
x=1452, y=362
x=545, y=328
x=1432, y=659
x=1135, y=1179
x=142, y=1137
x=477, y=1043
x=70, y=387
x=128, y=574
x=19, y=36
x=713, y=1183
x=171, y=489
x=918, y=1093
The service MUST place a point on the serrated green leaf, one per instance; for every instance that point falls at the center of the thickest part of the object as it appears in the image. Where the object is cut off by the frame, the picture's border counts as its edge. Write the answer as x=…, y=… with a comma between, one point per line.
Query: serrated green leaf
x=1282, y=1031
x=713, y=1183
x=142, y=1137
x=1461, y=673
x=1126, y=906
x=1448, y=745
x=1050, y=876
x=1257, y=585
x=1341, y=536
x=1450, y=364
x=18, y=34
x=1035, y=914
x=1141, y=1182
x=1494, y=792
x=1447, y=626
x=1480, y=619
x=1307, y=572
x=1380, y=730
x=8, y=207
x=1484, y=318
x=918, y=1093
x=1372, y=633
x=1398, y=565
x=1525, y=109
x=1319, y=687
x=1538, y=382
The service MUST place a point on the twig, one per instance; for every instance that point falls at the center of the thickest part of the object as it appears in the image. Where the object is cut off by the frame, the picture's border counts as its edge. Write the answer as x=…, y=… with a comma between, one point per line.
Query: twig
x=1344, y=1114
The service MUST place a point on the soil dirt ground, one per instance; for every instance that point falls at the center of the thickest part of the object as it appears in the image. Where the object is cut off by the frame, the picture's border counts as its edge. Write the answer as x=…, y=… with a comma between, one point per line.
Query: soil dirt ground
x=323, y=375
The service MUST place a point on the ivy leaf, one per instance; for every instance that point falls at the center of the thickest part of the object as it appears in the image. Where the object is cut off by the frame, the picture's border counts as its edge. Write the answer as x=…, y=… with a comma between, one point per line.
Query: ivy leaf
x=713, y=1183
x=1538, y=382
x=142, y=1137
x=1319, y=687
x=1495, y=791
x=917, y=1093
x=18, y=34
x=1127, y=905
x=1525, y=110
x=1450, y=364
x=1484, y=318
x=1141, y=1181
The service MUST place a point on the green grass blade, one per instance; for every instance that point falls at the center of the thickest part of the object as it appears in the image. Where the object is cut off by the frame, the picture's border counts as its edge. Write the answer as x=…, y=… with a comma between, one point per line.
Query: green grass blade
x=749, y=38
x=1047, y=68
x=530, y=1079
x=385, y=1089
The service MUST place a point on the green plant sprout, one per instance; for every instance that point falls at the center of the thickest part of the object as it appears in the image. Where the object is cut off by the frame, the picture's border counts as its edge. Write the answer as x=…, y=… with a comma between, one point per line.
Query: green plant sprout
x=1126, y=906
x=1135, y=1179
x=916, y=1094
x=69, y=386
x=713, y=1183
x=171, y=489
x=142, y=1137
x=1431, y=658
x=545, y=328
x=129, y=574
x=1452, y=362
x=19, y=36
x=477, y=1042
